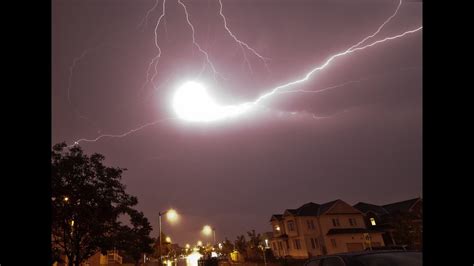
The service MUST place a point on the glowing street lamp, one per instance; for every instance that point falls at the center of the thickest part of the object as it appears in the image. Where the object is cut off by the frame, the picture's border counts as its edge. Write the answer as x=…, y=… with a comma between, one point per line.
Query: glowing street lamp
x=168, y=239
x=172, y=216
x=199, y=243
x=208, y=230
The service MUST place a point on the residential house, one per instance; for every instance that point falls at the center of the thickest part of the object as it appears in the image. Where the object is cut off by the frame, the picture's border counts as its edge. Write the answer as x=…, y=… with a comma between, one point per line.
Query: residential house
x=321, y=229
x=390, y=218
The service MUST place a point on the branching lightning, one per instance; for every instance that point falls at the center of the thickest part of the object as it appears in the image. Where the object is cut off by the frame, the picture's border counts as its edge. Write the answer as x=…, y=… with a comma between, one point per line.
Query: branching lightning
x=206, y=55
x=123, y=134
x=328, y=61
x=156, y=59
x=232, y=110
x=241, y=43
x=144, y=21
x=69, y=86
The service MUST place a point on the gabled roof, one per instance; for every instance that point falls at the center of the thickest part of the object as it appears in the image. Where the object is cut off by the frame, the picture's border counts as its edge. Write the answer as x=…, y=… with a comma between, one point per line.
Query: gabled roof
x=310, y=209
x=289, y=211
x=401, y=206
x=367, y=207
x=277, y=217
x=326, y=206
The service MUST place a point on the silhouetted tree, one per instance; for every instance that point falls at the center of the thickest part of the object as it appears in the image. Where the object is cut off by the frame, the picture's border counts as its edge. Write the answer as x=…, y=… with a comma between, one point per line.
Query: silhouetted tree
x=253, y=245
x=406, y=231
x=227, y=247
x=240, y=244
x=135, y=241
x=87, y=198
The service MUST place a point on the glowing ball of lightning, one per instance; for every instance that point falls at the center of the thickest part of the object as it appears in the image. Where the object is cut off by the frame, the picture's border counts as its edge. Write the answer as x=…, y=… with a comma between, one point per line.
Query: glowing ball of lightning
x=192, y=102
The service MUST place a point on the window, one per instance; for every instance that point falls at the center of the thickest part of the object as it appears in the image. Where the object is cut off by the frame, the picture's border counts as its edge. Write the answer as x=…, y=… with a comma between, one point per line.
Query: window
x=333, y=242
x=274, y=246
x=280, y=246
x=291, y=226
x=297, y=243
x=287, y=244
x=313, y=245
x=310, y=224
x=372, y=221
x=335, y=222
x=352, y=221
x=277, y=228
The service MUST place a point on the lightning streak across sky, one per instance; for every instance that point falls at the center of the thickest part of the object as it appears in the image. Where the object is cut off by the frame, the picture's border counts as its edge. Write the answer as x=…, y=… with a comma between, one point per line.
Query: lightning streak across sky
x=328, y=61
x=156, y=59
x=206, y=55
x=144, y=21
x=241, y=43
x=237, y=109
x=123, y=134
x=69, y=86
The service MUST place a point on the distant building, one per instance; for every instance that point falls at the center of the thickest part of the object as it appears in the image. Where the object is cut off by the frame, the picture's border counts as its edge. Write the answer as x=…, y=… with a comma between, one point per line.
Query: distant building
x=112, y=258
x=390, y=219
x=320, y=229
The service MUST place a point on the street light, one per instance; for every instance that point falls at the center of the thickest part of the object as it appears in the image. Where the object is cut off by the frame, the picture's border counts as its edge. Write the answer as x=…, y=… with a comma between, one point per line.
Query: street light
x=172, y=216
x=208, y=230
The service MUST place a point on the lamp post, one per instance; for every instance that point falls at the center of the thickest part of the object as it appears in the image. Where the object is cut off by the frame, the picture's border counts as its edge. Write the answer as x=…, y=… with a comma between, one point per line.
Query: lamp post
x=208, y=230
x=171, y=215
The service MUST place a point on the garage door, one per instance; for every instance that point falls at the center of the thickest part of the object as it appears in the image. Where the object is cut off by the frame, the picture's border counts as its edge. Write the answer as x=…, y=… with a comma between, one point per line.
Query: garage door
x=354, y=247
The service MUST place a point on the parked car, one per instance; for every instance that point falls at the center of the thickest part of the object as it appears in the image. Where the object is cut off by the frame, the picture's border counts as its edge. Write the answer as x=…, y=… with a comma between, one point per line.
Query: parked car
x=369, y=258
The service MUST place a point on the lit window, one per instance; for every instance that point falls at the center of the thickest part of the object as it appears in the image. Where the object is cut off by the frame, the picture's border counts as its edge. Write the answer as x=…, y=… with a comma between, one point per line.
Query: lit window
x=372, y=221
x=277, y=228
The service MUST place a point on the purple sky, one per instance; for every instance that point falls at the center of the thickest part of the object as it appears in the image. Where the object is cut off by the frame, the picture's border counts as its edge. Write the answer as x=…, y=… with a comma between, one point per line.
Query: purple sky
x=235, y=174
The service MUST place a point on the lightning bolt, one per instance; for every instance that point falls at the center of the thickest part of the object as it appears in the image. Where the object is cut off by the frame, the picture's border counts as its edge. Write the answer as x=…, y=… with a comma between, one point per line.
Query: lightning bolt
x=206, y=55
x=73, y=65
x=354, y=48
x=346, y=82
x=327, y=88
x=144, y=21
x=241, y=43
x=380, y=27
x=156, y=59
x=328, y=61
x=123, y=134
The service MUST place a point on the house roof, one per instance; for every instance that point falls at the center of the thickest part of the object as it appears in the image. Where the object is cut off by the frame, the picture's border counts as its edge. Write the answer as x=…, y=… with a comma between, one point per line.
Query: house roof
x=401, y=206
x=326, y=206
x=342, y=231
x=277, y=217
x=367, y=207
x=311, y=209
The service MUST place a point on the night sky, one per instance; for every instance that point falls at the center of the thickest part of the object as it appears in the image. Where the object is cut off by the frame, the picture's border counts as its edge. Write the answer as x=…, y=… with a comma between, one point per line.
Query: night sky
x=235, y=174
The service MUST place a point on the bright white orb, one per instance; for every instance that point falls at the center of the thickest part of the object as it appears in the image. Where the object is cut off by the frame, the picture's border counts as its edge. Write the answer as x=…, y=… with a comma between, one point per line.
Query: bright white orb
x=191, y=102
